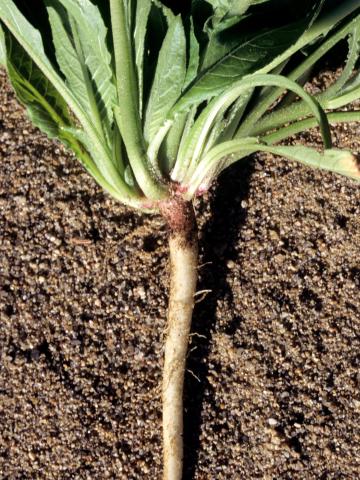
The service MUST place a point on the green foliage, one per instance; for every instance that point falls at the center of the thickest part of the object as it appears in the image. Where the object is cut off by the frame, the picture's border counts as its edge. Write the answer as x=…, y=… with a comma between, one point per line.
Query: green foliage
x=46, y=108
x=79, y=36
x=147, y=97
x=168, y=80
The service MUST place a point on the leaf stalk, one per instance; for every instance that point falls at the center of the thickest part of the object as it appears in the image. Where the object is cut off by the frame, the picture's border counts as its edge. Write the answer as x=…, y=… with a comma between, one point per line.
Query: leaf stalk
x=127, y=114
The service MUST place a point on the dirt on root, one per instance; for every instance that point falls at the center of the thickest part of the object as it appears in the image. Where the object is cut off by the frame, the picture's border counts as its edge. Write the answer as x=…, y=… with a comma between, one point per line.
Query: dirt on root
x=272, y=388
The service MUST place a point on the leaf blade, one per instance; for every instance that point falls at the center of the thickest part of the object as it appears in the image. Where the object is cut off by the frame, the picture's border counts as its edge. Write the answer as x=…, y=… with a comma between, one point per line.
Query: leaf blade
x=66, y=55
x=337, y=161
x=169, y=78
x=31, y=41
x=243, y=60
x=142, y=14
x=194, y=56
x=2, y=47
x=45, y=107
x=342, y=162
x=258, y=53
x=92, y=35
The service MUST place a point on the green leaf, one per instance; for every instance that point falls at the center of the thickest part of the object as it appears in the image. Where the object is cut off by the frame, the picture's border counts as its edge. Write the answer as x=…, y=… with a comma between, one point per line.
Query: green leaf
x=230, y=8
x=352, y=84
x=107, y=169
x=257, y=125
x=227, y=13
x=142, y=15
x=227, y=153
x=342, y=162
x=182, y=160
x=72, y=66
x=246, y=58
x=45, y=106
x=2, y=48
x=117, y=151
x=220, y=44
x=194, y=56
x=25, y=33
x=233, y=117
x=84, y=139
x=217, y=159
x=217, y=48
x=170, y=146
x=30, y=40
x=167, y=12
x=257, y=2
x=127, y=117
x=338, y=161
x=169, y=78
x=302, y=125
x=200, y=133
x=259, y=52
x=92, y=36
x=352, y=59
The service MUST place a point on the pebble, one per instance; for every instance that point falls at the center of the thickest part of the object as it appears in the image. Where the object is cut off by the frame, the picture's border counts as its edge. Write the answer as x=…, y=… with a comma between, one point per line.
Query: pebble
x=231, y=264
x=272, y=422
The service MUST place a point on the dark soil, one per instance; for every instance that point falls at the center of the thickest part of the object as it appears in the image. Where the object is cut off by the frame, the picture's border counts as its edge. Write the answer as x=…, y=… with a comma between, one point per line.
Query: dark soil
x=272, y=390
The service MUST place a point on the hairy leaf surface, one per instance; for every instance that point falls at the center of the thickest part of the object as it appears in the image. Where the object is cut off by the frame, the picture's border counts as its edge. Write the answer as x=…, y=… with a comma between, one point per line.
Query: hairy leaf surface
x=246, y=58
x=141, y=19
x=194, y=57
x=25, y=33
x=30, y=40
x=231, y=8
x=45, y=107
x=169, y=78
x=333, y=160
x=91, y=32
x=2, y=48
x=71, y=65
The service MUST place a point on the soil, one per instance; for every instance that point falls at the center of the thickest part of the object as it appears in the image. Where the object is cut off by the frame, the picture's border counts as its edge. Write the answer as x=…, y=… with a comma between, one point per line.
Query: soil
x=272, y=388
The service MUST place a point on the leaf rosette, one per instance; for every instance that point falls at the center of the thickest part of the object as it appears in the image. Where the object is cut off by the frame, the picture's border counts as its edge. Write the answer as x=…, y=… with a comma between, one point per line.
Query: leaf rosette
x=152, y=102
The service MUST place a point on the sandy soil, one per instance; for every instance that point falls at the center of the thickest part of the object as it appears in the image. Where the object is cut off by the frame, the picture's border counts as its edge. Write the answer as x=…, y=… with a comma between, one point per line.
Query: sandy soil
x=272, y=390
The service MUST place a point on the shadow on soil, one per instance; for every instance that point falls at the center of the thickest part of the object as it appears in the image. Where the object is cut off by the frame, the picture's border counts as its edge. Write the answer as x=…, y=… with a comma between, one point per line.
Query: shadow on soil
x=217, y=240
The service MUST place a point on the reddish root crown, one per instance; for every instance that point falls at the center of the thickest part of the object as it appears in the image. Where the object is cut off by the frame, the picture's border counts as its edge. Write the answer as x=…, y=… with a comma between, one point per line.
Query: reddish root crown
x=179, y=216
